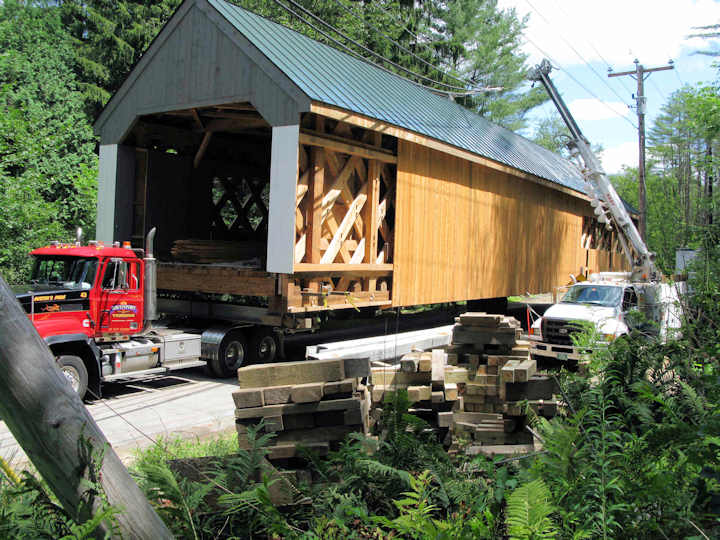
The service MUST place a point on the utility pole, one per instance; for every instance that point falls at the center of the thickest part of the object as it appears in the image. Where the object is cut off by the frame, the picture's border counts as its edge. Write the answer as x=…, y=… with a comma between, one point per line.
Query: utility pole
x=640, y=74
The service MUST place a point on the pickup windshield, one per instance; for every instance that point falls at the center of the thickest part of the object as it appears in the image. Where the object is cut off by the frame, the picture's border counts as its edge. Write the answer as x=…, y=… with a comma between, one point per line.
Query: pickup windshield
x=64, y=272
x=600, y=295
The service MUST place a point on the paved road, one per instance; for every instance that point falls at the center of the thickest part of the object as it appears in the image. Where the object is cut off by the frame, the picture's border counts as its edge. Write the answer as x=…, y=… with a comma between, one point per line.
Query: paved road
x=187, y=404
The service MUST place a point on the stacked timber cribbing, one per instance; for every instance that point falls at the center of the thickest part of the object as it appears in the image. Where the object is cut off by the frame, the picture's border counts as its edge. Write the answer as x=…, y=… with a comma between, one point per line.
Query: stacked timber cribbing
x=478, y=391
x=312, y=404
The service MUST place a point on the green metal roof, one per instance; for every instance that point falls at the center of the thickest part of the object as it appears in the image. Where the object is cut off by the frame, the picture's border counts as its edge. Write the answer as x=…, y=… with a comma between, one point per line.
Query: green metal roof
x=329, y=76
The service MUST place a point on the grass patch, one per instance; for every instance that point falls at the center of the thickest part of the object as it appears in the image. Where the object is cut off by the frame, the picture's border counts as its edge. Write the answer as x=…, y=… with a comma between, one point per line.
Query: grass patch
x=178, y=448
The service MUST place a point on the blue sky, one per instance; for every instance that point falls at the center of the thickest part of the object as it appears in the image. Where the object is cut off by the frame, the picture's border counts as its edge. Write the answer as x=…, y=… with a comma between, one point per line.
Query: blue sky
x=582, y=37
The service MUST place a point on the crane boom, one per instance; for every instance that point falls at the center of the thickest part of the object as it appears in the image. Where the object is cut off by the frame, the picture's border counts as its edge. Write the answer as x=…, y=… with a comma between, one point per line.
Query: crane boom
x=608, y=206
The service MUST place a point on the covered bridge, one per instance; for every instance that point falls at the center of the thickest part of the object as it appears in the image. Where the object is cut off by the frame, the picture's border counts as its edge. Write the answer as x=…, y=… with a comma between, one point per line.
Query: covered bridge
x=325, y=181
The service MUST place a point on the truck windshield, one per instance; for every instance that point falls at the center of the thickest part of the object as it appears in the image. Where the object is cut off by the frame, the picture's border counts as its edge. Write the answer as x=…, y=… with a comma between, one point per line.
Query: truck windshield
x=601, y=295
x=65, y=272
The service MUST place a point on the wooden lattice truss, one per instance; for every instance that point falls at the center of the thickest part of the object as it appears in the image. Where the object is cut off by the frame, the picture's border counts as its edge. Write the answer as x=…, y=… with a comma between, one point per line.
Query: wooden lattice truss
x=345, y=209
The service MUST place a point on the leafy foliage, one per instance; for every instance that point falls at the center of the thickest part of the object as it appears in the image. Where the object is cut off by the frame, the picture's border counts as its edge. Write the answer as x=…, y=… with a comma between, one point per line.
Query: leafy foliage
x=528, y=512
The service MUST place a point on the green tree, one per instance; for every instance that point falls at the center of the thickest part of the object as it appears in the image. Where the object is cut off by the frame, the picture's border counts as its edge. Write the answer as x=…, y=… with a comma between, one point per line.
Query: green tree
x=47, y=160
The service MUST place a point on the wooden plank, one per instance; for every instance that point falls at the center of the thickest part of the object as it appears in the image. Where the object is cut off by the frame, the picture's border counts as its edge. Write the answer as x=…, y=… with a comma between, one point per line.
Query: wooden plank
x=291, y=373
x=339, y=144
x=333, y=226
x=341, y=269
x=307, y=393
x=214, y=279
x=298, y=408
x=359, y=254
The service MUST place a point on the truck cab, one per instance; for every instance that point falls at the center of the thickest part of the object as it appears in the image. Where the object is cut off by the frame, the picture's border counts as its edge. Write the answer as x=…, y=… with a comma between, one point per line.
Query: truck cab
x=605, y=304
x=95, y=307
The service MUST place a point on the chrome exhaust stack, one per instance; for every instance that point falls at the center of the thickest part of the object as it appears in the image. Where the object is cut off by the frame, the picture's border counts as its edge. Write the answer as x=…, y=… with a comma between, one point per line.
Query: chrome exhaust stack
x=151, y=311
x=78, y=236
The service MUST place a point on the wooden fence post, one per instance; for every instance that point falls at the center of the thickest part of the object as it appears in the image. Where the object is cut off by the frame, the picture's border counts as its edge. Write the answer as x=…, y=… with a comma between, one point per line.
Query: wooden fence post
x=49, y=421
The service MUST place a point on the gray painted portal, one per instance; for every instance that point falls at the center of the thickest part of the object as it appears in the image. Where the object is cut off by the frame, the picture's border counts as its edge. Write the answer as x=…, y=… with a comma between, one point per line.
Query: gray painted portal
x=283, y=189
x=115, y=192
x=199, y=59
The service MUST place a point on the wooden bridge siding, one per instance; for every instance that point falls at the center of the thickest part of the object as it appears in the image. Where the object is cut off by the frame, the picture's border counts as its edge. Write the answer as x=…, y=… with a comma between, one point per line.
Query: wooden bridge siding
x=466, y=231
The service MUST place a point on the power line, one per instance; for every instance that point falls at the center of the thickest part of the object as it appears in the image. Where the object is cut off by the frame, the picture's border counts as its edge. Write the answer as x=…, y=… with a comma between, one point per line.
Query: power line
x=580, y=56
x=359, y=45
x=401, y=47
x=592, y=45
x=559, y=67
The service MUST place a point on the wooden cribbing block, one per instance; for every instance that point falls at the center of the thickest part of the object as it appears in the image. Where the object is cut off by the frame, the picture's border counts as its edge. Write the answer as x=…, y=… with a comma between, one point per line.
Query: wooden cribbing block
x=452, y=359
x=507, y=373
x=419, y=393
x=346, y=387
x=298, y=408
x=475, y=335
x=535, y=388
x=525, y=370
x=298, y=421
x=292, y=373
x=477, y=418
x=485, y=379
x=290, y=450
x=479, y=319
x=445, y=419
x=409, y=363
x=438, y=360
x=252, y=397
x=522, y=344
x=274, y=395
x=438, y=396
x=354, y=368
x=476, y=389
x=474, y=398
x=456, y=375
x=307, y=393
x=392, y=377
x=425, y=362
x=451, y=391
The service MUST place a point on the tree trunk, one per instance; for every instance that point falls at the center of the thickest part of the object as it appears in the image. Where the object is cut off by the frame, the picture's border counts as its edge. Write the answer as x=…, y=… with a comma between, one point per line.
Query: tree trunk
x=57, y=433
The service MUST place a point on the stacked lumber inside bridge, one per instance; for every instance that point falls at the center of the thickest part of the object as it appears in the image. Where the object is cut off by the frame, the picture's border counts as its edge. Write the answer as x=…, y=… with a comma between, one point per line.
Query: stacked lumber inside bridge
x=309, y=404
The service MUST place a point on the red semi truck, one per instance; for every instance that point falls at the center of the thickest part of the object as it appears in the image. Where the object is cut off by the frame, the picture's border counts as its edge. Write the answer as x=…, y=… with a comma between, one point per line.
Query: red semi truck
x=96, y=307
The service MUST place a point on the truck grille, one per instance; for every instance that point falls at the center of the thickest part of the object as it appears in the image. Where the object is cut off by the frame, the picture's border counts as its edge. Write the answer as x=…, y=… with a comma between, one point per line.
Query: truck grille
x=558, y=331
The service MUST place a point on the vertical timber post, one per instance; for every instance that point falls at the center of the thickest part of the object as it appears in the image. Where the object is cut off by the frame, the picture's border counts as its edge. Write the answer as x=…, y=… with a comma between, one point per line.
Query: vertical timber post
x=51, y=424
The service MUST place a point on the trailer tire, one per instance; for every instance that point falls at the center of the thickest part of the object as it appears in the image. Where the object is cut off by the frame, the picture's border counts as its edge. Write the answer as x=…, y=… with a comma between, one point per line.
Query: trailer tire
x=74, y=370
x=232, y=354
x=263, y=347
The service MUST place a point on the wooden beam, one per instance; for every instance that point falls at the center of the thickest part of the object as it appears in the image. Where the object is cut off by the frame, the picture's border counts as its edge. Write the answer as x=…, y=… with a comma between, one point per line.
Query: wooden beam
x=339, y=144
x=344, y=228
x=333, y=226
x=300, y=249
x=359, y=254
x=302, y=187
x=366, y=122
x=203, y=147
x=371, y=211
x=341, y=269
x=313, y=205
x=339, y=184
x=196, y=118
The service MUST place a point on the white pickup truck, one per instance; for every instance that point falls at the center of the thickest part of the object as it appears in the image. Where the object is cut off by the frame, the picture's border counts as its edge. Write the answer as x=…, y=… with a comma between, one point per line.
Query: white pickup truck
x=606, y=300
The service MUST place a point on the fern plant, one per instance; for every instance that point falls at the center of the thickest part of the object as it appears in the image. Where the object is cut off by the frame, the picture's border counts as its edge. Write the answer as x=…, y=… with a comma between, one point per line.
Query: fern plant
x=528, y=511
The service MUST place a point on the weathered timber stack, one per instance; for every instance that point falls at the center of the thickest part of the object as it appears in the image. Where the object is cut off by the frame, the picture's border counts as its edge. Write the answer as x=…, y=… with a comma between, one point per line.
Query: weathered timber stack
x=423, y=375
x=497, y=383
x=311, y=404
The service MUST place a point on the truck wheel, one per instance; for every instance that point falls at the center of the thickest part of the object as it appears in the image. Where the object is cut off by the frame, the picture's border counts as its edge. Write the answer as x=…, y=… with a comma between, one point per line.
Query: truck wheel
x=231, y=355
x=263, y=347
x=74, y=370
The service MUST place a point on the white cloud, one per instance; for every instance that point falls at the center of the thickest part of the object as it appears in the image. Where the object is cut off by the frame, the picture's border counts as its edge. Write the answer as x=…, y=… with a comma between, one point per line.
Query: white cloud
x=593, y=109
x=614, y=31
x=615, y=157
